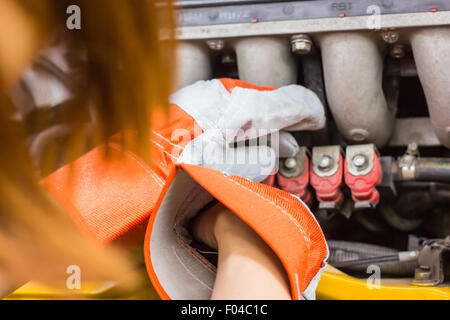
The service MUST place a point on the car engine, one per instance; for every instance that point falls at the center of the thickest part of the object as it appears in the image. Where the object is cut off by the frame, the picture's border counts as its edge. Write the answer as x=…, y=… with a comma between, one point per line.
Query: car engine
x=377, y=177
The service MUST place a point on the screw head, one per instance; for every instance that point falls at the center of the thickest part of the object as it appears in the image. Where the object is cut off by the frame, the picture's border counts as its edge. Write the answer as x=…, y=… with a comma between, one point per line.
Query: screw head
x=359, y=160
x=325, y=163
x=290, y=163
x=228, y=59
x=398, y=51
x=422, y=275
x=390, y=36
x=301, y=46
x=413, y=148
x=215, y=44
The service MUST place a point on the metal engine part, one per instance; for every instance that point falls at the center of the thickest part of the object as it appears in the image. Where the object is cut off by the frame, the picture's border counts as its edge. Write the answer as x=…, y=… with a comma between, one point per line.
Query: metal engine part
x=431, y=48
x=434, y=263
x=354, y=38
x=382, y=70
x=265, y=61
x=361, y=111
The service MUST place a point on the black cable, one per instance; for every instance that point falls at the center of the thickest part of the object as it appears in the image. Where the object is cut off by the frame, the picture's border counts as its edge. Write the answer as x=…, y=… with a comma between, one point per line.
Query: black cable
x=349, y=263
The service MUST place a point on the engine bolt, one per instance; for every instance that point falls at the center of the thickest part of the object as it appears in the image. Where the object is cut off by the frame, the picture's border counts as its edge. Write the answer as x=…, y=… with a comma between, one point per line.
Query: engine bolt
x=390, y=36
x=290, y=163
x=325, y=163
x=413, y=149
x=215, y=44
x=359, y=160
x=301, y=44
x=398, y=51
x=228, y=59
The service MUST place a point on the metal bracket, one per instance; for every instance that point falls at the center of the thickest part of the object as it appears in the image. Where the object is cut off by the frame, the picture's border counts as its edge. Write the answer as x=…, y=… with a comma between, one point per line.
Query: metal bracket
x=294, y=175
x=406, y=163
x=325, y=160
x=360, y=159
x=363, y=173
x=299, y=167
x=327, y=176
x=434, y=263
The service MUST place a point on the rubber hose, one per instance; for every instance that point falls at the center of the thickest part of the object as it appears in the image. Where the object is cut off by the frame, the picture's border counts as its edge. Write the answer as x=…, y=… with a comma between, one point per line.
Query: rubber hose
x=346, y=250
x=432, y=169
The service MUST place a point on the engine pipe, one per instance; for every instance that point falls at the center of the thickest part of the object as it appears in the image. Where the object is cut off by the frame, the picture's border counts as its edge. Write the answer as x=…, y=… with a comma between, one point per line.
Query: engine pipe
x=432, y=169
x=431, y=49
x=193, y=63
x=353, y=70
x=265, y=61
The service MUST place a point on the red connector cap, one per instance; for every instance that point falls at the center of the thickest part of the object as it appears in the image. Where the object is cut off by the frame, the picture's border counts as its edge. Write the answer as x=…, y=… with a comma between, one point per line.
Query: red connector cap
x=327, y=176
x=363, y=173
x=297, y=185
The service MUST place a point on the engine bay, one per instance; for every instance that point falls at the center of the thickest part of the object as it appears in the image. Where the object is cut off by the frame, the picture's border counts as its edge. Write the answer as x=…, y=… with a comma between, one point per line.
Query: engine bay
x=377, y=177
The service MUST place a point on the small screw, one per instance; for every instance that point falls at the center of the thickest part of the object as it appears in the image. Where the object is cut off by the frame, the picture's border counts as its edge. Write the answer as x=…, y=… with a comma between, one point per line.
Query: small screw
x=413, y=149
x=390, y=36
x=301, y=44
x=215, y=44
x=398, y=51
x=325, y=163
x=359, y=160
x=290, y=163
x=422, y=275
x=228, y=59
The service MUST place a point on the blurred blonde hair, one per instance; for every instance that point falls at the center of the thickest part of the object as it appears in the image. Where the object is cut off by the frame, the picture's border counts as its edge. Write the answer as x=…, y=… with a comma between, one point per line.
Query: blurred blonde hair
x=128, y=72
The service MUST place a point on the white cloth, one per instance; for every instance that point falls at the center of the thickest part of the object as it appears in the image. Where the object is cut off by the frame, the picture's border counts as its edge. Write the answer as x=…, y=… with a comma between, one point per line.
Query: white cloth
x=232, y=123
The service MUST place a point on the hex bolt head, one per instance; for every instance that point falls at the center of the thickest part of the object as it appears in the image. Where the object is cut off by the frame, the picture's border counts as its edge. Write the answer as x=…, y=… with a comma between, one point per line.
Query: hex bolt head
x=290, y=163
x=215, y=44
x=359, y=160
x=301, y=44
x=413, y=148
x=398, y=51
x=228, y=58
x=301, y=47
x=390, y=36
x=325, y=163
